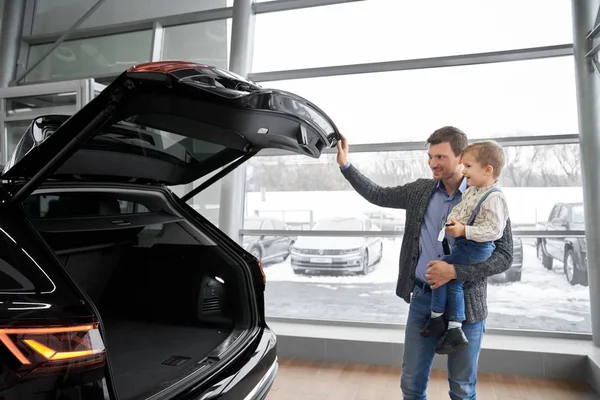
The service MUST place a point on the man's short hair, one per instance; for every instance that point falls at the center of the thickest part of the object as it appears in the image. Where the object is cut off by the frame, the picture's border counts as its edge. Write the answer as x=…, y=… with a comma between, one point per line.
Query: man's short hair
x=449, y=134
x=487, y=152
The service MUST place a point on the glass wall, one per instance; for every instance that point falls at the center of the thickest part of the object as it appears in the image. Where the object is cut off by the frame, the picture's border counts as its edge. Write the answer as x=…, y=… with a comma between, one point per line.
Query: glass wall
x=354, y=273
x=90, y=57
x=305, y=194
x=53, y=16
x=385, y=30
x=204, y=42
x=521, y=98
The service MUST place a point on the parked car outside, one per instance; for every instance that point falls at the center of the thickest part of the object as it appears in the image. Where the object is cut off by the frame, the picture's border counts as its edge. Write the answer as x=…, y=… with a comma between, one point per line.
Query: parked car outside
x=267, y=247
x=513, y=274
x=387, y=220
x=571, y=251
x=111, y=286
x=333, y=254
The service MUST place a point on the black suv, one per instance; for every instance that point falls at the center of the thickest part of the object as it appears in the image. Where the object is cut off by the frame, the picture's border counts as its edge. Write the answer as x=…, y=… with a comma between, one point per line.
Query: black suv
x=571, y=251
x=110, y=285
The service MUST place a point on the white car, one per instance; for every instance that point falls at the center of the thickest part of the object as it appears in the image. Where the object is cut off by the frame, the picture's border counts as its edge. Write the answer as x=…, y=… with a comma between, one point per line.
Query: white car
x=338, y=254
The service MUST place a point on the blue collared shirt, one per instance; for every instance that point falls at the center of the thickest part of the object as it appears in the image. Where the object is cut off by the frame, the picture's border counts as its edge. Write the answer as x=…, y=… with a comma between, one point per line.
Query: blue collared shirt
x=438, y=209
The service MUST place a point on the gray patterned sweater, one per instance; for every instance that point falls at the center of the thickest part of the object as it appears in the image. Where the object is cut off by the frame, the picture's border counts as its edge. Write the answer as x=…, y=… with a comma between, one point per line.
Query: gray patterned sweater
x=414, y=197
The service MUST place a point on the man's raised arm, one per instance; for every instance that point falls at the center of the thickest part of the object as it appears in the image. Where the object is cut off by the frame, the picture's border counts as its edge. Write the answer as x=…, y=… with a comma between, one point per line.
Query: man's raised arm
x=391, y=197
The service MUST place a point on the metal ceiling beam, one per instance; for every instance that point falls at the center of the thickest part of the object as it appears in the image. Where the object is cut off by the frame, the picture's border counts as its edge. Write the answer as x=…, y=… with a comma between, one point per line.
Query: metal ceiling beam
x=10, y=39
x=287, y=5
x=58, y=41
x=421, y=63
x=233, y=186
x=319, y=233
x=422, y=145
x=158, y=35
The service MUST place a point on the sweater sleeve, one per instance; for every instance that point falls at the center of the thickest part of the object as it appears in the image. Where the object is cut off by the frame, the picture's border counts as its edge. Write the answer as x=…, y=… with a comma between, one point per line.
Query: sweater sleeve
x=391, y=197
x=500, y=260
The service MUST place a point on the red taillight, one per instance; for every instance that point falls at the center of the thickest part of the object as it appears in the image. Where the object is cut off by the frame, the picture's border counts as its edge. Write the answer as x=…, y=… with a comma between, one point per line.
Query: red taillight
x=165, y=67
x=39, y=349
x=262, y=272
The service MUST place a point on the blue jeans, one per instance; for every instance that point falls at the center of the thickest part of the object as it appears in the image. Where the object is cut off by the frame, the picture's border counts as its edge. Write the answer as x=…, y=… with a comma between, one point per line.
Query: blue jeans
x=450, y=297
x=419, y=352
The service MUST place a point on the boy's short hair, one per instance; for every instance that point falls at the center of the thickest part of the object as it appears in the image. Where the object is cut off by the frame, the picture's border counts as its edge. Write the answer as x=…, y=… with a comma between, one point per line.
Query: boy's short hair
x=449, y=134
x=488, y=152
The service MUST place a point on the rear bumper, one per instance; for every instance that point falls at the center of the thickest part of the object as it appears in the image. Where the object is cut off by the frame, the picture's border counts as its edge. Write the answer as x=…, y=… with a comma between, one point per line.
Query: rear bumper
x=261, y=390
x=251, y=378
x=340, y=262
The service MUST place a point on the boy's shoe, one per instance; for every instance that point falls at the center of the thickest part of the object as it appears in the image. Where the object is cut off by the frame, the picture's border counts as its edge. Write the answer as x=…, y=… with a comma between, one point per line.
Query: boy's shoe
x=434, y=327
x=453, y=340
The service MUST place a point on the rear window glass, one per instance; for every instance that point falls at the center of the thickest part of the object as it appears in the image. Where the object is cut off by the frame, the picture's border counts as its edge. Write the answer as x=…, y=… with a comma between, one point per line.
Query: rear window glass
x=151, y=135
x=139, y=132
x=79, y=205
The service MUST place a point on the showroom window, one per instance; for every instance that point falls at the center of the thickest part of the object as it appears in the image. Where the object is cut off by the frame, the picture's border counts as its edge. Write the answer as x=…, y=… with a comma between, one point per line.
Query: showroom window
x=89, y=57
x=52, y=16
x=205, y=42
x=208, y=201
x=521, y=98
x=385, y=30
x=312, y=195
x=526, y=102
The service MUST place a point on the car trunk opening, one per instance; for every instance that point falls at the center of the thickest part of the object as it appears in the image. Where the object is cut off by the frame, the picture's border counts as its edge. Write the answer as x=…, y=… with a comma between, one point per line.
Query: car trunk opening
x=171, y=300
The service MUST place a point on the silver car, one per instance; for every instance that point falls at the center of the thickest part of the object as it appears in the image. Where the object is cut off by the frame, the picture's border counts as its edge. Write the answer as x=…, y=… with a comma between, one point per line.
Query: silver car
x=338, y=254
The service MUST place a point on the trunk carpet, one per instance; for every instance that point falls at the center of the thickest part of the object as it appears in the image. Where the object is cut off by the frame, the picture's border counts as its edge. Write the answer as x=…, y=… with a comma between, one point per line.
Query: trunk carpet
x=137, y=350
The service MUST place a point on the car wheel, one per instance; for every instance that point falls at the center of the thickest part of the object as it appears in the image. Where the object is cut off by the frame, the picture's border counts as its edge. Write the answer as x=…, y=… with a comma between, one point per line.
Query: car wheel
x=512, y=276
x=572, y=272
x=256, y=253
x=365, y=263
x=547, y=261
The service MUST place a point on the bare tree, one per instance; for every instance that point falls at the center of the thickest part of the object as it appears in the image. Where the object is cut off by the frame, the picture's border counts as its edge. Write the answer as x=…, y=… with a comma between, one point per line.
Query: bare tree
x=519, y=168
x=569, y=160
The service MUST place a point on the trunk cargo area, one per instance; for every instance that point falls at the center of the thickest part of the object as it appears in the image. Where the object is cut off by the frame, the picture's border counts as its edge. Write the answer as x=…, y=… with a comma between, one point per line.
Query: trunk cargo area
x=143, y=353
x=166, y=298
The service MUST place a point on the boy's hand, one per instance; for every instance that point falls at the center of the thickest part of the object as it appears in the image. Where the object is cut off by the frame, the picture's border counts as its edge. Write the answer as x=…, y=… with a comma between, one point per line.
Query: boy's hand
x=457, y=229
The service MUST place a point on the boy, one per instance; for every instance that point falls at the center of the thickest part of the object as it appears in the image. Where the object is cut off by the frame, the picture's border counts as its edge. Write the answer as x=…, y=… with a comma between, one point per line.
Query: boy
x=475, y=223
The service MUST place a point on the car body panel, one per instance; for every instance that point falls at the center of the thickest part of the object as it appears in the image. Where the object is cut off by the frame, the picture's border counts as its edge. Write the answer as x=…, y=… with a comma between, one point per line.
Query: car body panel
x=203, y=103
x=267, y=247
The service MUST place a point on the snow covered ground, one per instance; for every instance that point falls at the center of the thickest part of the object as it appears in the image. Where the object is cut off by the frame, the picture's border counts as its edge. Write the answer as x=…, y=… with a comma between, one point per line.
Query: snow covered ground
x=542, y=300
x=540, y=293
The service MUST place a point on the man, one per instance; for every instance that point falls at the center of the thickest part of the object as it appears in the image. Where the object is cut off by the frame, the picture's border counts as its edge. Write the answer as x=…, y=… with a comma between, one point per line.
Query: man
x=428, y=203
